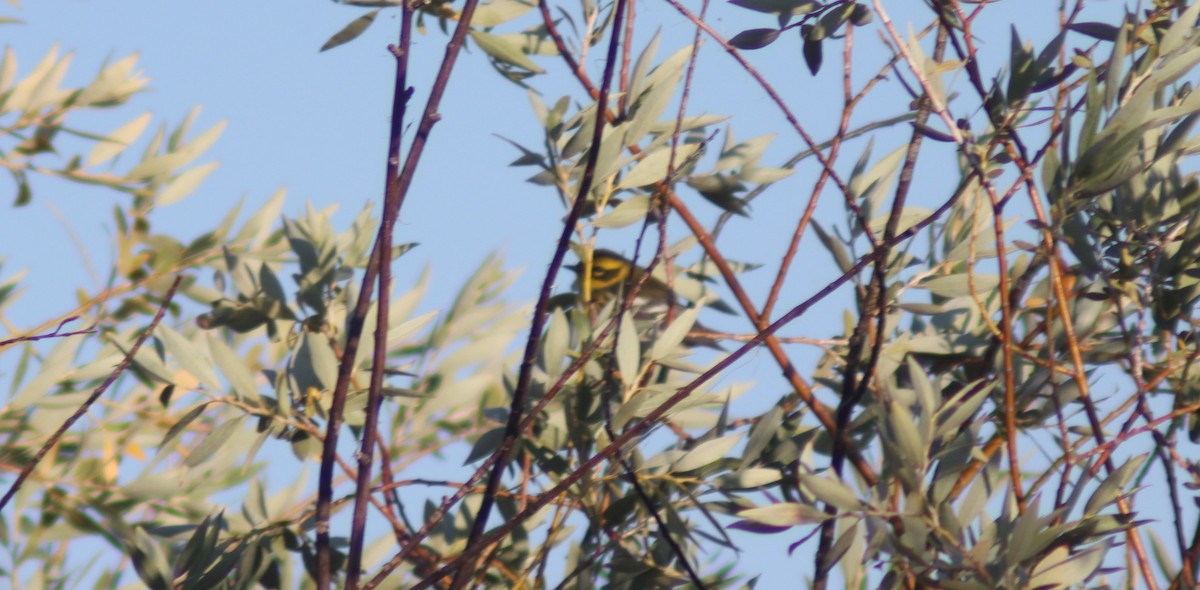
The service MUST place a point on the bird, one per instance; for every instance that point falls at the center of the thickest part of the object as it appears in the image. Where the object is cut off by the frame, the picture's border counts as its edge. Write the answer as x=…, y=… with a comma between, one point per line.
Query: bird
x=609, y=277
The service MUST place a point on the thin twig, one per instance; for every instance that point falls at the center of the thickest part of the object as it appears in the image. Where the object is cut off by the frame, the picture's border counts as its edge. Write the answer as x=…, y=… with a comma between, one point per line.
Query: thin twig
x=96, y=393
x=391, y=211
x=517, y=407
x=383, y=249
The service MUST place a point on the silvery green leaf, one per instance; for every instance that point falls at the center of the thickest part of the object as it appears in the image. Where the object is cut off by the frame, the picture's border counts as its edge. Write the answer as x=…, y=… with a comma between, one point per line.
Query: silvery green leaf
x=213, y=442
x=831, y=491
x=632, y=210
x=629, y=351
x=706, y=453
x=190, y=357
x=673, y=336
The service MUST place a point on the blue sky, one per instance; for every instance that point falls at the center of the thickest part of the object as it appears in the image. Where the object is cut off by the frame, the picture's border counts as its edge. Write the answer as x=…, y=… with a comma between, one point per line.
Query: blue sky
x=317, y=123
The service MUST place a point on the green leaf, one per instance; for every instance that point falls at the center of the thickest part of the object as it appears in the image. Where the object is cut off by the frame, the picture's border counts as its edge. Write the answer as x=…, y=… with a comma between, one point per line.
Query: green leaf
x=720, y=190
x=789, y=7
x=487, y=444
x=960, y=285
x=160, y=167
x=754, y=38
x=632, y=210
x=1060, y=569
x=706, y=453
x=498, y=12
x=959, y=408
x=840, y=255
x=653, y=168
x=812, y=54
x=8, y=71
x=1181, y=29
x=185, y=184
x=351, y=31
x=673, y=336
x=785, y=514
x=1116, y=65
x=760, y=436
x=748, y=479
x=213, y=442
x=660, y=87
x=1101, y=31
x=831, y=491
x=190, y=357
x=24, y=96
x=183, y=423
x=504, y=51
x=55, y=368
x=234, y=367
x=642, y=65
x=554, y=346
x=629, y=351
x=1112, y=486
x=118, y=140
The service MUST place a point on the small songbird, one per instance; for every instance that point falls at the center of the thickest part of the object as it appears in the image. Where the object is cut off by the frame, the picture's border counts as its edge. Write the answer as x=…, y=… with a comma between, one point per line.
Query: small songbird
x=609, y=278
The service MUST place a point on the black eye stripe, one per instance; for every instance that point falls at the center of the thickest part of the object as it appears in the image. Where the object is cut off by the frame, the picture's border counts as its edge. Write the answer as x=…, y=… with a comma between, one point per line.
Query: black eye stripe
x=605, y=273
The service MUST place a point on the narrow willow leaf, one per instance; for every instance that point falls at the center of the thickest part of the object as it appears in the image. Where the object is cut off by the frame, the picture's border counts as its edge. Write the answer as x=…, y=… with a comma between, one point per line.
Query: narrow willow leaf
x=1101, y=31
x=960, y=285
x=161, y=167
x=673, y=336
x=927, y=396
x=840, y=255
x=321, y=358
x=351, y=31
x=909, y=444
x=1112, y=486
x=55, y=368
x=404, y=330
x=831, y=491
x=630, y=211
x=213, y=442
x=1179, y=31
x=642, y=65
x=785, y=514
x=748, y=479
x=754, y=38
x=629, y=351
x=1116, y=67
x=812, y=55
x=260, y=225
x=760, y=435
x=118, y=140
x=660, y=87
x=498, y=12
x=504, y=51
x=706, y=453
x=190, y=357
x=554, y=347
x=185, y=184
x=21, y=96
x=653, y=168
x=909, y=217
x=234, y=367
x=1061, y=569
x=487, y=444
x=181, y=425
x=8, y=71
x=791, y=7
x=959, y=408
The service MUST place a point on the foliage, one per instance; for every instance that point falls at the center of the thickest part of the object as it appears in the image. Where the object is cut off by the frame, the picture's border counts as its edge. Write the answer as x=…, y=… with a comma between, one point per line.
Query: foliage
x=899, y=456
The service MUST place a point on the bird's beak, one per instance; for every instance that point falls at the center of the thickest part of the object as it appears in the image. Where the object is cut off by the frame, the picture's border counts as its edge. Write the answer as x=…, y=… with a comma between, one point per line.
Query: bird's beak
x=575, y=268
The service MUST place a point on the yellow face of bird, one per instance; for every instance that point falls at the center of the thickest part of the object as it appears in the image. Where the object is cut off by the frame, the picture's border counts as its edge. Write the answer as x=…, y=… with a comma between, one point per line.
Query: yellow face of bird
x=609, y=271
x=610, y=274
